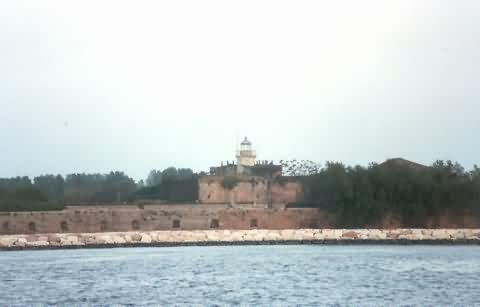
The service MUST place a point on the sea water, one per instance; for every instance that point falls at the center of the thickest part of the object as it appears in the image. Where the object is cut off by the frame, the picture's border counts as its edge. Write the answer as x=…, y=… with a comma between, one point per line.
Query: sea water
x=290, y=275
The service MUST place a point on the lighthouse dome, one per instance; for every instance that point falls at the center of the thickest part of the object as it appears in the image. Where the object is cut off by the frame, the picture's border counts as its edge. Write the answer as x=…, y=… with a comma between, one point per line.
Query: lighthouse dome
x=246, y=142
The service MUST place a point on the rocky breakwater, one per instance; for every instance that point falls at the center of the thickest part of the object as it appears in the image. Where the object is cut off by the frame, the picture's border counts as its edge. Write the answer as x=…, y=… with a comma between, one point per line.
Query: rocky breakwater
x=255, y=236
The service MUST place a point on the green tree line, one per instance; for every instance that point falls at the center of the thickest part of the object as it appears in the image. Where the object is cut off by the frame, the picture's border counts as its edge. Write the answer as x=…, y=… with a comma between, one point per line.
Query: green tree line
x=362, y=196
x=52, y=191
x=171, y=185
x=358, y=196
x=20, y=194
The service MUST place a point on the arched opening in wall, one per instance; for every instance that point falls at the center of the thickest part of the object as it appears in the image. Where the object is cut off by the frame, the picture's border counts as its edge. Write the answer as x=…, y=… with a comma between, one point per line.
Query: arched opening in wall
x=5, y=226
x=253, y=223
x=135, y=225
x=103, y=226
x=214, y=223
x=209, y=195
x=64, y=226
x=176, y=224
x=32, y=227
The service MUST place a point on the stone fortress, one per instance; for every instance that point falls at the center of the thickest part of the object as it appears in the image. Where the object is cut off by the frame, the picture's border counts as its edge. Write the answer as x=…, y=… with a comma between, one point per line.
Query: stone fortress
x=248, y=194
x=237, y=203
x=248, y=182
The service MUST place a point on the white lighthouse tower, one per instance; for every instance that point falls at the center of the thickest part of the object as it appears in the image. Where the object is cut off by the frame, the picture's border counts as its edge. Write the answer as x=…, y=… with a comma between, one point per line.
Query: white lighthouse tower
x=246, y=156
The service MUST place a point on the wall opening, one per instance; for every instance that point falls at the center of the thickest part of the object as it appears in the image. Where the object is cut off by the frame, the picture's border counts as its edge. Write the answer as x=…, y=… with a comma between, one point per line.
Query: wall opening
x=32, y=227
x=214, y=223
x=253, y=223
x=5, y=226
x=64, y=226
x=135, y=225
x=103, y=226
x=176, y=224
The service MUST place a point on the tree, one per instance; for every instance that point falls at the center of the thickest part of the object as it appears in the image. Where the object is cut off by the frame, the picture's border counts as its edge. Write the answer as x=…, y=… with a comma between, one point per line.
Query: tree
x=362, y=196
x=50, y=185
x=300, y=167
x=154, y=178
x=169, y=173
x=114, y=186
x=12, y=184
x=184, y=173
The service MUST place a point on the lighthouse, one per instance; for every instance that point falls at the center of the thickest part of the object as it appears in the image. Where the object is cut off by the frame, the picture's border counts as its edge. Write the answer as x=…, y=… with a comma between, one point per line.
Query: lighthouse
x=246, y=156
x=247, y=164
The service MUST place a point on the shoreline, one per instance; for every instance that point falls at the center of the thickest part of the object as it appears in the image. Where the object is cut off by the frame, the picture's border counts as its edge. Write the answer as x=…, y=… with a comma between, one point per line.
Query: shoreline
x=250, y=243
x=240, y=237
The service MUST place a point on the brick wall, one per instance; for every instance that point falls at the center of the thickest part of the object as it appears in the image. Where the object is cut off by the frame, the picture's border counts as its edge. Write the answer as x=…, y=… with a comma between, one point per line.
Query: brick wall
x=159, y=217
x=249, y=190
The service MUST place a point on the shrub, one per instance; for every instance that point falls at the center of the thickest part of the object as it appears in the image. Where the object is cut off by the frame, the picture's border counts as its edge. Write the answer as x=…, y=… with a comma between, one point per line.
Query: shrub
x=11, y=205
x=229, y=182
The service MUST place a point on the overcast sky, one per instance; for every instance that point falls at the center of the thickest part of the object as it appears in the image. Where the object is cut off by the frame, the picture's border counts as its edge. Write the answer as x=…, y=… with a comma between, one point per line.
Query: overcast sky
x=94, y=86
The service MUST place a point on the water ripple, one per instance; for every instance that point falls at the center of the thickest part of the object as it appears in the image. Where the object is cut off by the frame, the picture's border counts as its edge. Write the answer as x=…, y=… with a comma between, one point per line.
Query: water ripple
x=243, y=275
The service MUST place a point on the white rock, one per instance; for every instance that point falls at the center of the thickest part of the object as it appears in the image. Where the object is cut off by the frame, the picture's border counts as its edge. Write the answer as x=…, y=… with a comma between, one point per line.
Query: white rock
x=236, y=236
x=287, y=233
x=193, y=237
x=427, y=232
x=163, y=236
x=248, y=237
x=333, y=234
x=298, y=235
x=459, y=235
x=405, y=237
x=38, y=243
x=105, y=239
x=417, y=232
x=376, y=234
x=135, y=237
x=201, y=237
x=88, y=240
x=319, y=236
x=440, y=234
x=362, y=232
x=20, y=242
x=273, y=236
x=118, y=240
x=6, y=242
x=72, y=238
x=146, y=239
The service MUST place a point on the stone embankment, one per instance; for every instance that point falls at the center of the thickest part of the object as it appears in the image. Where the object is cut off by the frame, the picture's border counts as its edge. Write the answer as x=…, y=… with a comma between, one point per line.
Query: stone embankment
x=239, y=237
